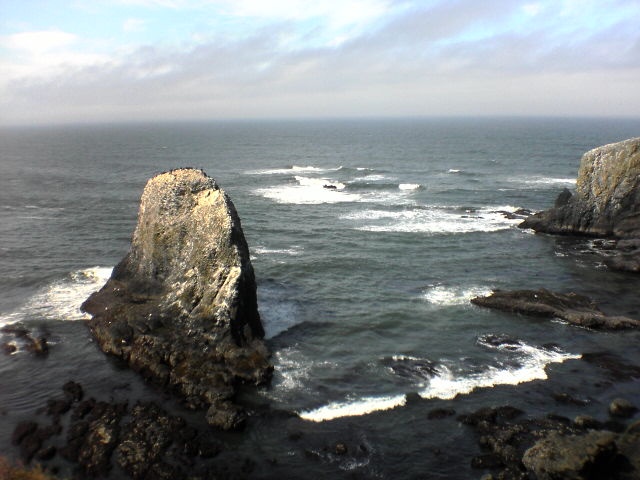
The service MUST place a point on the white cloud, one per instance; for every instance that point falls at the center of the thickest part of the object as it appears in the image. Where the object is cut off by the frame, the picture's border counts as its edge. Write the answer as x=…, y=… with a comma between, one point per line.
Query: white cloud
x=133, y=25
x=532, y=9
x=38, y=42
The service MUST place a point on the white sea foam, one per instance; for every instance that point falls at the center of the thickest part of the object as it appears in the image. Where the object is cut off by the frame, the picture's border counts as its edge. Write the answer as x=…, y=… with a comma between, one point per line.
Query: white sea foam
x=353, y=408
x=531, y=366
x=292, y=251
x=294, y=169
x=454, y=170
x=278, y=311
x=61, y=299
x=442, y=295
x=291, y=369
x=409, y=186
x=308, y=190
x=433, y=220
x=550, y=181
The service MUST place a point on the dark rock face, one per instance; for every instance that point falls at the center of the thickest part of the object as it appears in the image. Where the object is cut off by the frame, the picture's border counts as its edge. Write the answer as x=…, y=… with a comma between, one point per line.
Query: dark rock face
x=181, y=307
x=575, y=309
x=606, y=202
x=552, y=447
x=590, y=455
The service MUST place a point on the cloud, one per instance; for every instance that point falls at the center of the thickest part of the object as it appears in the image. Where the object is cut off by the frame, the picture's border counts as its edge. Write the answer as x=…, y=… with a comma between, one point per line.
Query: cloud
x=460, y=57
x=38, y=42
x=133, y=25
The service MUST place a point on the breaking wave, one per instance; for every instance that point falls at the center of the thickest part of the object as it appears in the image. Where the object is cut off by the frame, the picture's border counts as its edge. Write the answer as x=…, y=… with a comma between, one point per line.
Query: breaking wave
x=518, y=362
x=61, y=299
x=435, y=220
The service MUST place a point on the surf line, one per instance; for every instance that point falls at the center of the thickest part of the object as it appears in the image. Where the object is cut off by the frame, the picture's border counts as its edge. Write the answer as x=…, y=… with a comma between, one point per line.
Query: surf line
x=447, y=386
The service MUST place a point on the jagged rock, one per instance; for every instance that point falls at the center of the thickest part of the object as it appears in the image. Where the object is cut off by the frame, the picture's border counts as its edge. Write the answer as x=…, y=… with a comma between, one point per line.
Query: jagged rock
x=571, y=307
x=606, y=202
x=181, y=306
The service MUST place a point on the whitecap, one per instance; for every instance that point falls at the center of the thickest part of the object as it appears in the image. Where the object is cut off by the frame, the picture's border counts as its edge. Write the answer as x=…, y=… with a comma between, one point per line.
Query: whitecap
x=445, y=296
x=434, y=220
x=309, y=190
x=61, y=299
x=409, y=186
x=292, y=251
x=537, y=181
x=531, y=364
x=454, y=170
x=294, y=169
x=352, y=408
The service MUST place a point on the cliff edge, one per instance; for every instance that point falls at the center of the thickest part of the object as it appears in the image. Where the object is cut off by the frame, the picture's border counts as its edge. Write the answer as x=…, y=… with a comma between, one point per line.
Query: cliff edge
x=606, y=202
x=181, y=307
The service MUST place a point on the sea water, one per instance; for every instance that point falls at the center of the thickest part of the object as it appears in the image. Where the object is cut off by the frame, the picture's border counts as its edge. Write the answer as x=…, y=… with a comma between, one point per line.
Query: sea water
x=368, y=238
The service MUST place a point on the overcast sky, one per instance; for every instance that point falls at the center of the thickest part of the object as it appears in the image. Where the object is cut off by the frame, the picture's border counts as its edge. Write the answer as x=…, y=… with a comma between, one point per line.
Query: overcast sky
x=112, y=60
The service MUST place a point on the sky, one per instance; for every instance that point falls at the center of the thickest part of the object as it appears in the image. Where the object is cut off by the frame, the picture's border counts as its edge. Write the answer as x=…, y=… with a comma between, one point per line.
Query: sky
x=69, y=61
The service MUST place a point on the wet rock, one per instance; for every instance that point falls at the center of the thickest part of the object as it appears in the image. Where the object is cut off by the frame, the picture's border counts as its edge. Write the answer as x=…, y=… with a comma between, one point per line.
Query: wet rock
x=38, y=345
x=438, y=413
x=181, y=307
x=568, y=399
x=46, y=453
x=618, y=368
x=341, y=449
x=623, y=408
x=606, y=202
x=8, y=348
x=571, y=307
x=22, y=430
x=591, y=456
x=155, y=444
x=58, y=407
x=587, y=422
x=73, y=391
x=100, y=439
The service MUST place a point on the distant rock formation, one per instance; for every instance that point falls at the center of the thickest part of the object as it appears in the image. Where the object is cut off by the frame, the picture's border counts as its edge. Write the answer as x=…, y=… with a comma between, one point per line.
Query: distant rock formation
x=606, y=202
x=571, y=307
x=181, y=307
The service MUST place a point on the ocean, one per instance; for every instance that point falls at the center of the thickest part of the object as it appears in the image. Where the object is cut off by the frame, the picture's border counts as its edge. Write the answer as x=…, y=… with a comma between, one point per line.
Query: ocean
x=368, y=239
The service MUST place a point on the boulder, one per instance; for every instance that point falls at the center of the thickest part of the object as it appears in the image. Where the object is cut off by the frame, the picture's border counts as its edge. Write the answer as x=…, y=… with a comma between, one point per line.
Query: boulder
x=180, y=307
x=571, y=307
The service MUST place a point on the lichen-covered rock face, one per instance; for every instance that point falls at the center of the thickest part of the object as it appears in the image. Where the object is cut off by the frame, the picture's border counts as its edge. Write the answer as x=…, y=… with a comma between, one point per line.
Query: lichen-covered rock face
x=181, y=306
x=607, y=198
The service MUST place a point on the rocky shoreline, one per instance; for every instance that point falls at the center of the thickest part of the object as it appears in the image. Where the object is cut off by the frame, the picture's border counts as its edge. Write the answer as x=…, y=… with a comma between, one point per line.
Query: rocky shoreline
x=181, y=310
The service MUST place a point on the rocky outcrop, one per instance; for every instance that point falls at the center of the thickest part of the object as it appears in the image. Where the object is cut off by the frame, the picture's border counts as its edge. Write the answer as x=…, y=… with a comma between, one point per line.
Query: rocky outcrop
x=606, y=202
x=607, y=197
x=553, y=447
x=571, y=307
x=181, y=307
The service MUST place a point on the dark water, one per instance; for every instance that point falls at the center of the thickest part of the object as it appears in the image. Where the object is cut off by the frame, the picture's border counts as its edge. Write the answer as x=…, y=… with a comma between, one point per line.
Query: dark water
x=363, y=288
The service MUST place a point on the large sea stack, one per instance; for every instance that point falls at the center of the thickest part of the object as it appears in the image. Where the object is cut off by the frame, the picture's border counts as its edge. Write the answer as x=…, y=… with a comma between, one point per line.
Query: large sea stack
x=181, y=308
x=606, y=202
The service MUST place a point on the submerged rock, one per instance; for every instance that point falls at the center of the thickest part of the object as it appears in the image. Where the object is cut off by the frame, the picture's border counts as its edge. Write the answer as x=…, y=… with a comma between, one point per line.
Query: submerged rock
x=606, y=202
x=571, y=307
x=181, y=307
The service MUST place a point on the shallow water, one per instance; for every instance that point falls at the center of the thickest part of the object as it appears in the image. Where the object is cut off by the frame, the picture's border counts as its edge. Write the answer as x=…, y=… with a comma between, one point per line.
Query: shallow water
x=368, y=239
